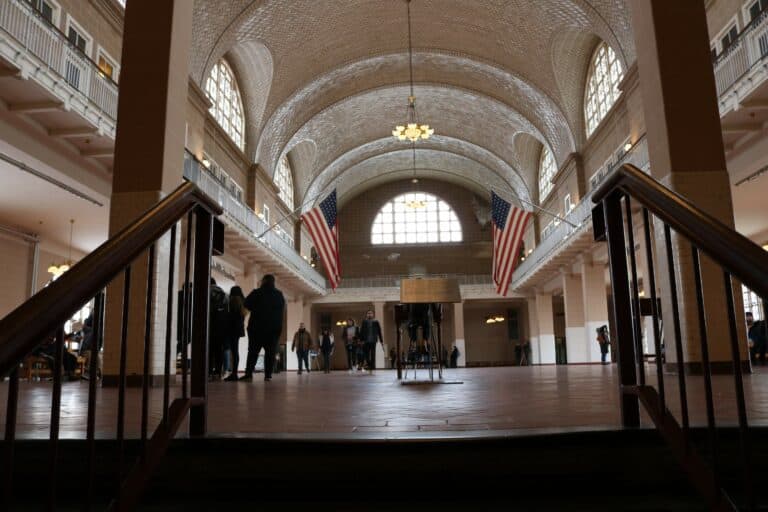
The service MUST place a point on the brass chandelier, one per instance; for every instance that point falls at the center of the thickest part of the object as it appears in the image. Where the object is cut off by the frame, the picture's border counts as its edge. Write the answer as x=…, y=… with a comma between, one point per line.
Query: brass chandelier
x=411, y=130
x=414, y=203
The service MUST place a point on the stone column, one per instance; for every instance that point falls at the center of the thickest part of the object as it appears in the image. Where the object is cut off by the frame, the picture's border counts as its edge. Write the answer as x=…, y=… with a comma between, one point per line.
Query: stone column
x=458, y=331
x=149, y=153
x=294, y=308
x=576, y=341
x=673, y=52
x=546, y=329
x=595, y=300
x=533, y=330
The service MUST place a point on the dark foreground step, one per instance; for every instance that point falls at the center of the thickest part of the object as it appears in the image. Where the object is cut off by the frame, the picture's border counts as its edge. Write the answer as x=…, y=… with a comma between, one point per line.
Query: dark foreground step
x=607, y=470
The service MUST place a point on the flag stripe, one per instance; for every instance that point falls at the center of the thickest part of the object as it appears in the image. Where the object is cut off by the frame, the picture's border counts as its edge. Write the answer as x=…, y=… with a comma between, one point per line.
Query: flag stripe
x=319, y=236
x=322, y=224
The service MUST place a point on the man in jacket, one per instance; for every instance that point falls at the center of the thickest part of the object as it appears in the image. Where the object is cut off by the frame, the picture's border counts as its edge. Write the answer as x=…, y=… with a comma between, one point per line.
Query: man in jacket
x=302, y=342
x=265, y=323
x=350, y=335
x=217, y=330
x=370, y=333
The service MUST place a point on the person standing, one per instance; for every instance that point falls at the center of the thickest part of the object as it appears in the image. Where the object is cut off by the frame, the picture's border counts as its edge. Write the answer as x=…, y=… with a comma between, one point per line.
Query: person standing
x=455, y=357
x=350, y=335
x=326, y=348
x=217, y=330
x=235, y=328
x=370, y=333
x=605, y=343
x=265, y=323
x=302, y=342
x=758, y=338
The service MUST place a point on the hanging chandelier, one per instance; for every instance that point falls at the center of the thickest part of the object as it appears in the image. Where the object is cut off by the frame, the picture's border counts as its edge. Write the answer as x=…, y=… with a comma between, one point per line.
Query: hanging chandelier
x=411, y=130
x=414, y=203
x=58, y=269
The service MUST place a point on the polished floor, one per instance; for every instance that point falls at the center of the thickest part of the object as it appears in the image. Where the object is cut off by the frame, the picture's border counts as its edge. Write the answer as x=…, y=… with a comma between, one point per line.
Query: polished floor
x=487, y=401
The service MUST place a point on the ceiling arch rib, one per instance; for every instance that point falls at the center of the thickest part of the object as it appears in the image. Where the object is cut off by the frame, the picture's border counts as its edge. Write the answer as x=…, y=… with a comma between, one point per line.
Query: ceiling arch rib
x=252, y=63
x=513, y=33
x=496, y=172
x=456, y=114
x=430, y=67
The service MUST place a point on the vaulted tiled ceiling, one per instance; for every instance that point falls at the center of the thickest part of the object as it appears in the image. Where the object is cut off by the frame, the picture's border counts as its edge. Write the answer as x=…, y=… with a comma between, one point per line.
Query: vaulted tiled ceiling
x=328, y=80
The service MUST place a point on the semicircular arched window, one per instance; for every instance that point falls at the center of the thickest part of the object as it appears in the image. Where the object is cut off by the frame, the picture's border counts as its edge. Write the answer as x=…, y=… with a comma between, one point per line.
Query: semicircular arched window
x=284, y=181
x=416, y=218
x=547, y=171
x=602, y=91
x=226, y=105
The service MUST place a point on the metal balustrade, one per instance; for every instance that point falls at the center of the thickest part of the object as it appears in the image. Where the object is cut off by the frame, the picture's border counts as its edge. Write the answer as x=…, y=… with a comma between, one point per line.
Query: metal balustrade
x=32, y=32
x=747, y=51
x=246, y=218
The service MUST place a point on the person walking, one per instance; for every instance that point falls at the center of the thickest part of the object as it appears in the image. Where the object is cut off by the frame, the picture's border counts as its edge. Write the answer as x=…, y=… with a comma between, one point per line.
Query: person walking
x=302, y=342
x=217, y=330
x=370, y=333
x=605, y=343
x=350, y=335
x=326, y=348
x=758, y=338
x=266, y=305
x=235, y=328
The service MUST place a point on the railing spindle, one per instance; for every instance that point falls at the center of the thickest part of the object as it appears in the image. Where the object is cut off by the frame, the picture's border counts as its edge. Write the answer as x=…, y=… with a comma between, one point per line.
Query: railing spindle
x=201, y=303
x=168, y=326
x=185, y=326
x=635, y=299
x=739, y=385
x=706, y=367
x=651, y=285
x=10, y=436
x=58, y=360
x=147, y=344
x=93, y=369
x=678, y=333
x=122, y=379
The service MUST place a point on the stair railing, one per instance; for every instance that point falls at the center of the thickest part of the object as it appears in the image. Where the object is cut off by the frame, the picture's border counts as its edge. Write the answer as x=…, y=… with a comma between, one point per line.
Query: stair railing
x=741, y=261
x=44, y=315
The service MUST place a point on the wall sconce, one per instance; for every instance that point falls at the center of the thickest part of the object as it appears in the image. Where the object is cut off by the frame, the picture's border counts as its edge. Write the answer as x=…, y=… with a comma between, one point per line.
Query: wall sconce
x=494, y=319
x=341, y=323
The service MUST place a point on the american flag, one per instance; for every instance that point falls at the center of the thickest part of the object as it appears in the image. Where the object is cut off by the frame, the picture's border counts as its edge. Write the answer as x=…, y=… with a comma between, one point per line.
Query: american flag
x=508, y=227
x=324, y=230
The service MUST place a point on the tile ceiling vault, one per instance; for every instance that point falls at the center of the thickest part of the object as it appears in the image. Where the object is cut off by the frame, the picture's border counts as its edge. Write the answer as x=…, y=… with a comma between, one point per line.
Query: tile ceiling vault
x=327, y=81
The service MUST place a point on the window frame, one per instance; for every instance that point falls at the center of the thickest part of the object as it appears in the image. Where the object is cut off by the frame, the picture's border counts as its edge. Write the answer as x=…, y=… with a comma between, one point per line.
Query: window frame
x=717, y=41
x=591, y=71
x=283, y=178
x=228, y=104
x=72, y=23
x=101, y=52
x=398, y=226
x=545, y=152
x=55, y=15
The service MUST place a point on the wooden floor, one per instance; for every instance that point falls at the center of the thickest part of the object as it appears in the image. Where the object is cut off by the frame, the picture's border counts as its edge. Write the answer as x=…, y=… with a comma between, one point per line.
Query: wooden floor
x=489, y=401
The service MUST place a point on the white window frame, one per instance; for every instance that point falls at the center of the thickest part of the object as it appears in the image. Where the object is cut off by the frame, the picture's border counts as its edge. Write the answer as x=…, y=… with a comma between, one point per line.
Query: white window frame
x=228, y=123
x=745, y=16
x=436, y=224
x=101, y=52
x=717, y=40
x=585, y=101
x=545, y=152
x=56, y=15
x=71, y=22
x=265, y=213
x=283, y=178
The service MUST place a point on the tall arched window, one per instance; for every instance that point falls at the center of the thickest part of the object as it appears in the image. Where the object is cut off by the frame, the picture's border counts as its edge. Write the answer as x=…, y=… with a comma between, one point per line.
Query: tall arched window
x=284, y=181
x=603, y=79
x=226, y=106
x=433, y=222
x=547, y=171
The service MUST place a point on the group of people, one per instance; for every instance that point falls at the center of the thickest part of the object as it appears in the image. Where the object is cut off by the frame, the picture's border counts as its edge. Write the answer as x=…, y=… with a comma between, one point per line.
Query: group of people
x=360, y=342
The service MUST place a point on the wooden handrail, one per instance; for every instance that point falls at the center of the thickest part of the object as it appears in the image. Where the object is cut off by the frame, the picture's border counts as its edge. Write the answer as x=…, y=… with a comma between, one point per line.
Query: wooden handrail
x=744, y=259
x=22, y=330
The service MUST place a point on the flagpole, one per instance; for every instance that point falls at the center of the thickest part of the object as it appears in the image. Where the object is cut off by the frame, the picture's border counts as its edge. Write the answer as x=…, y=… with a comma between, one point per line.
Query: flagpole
x=281, y=219
x=558, y=217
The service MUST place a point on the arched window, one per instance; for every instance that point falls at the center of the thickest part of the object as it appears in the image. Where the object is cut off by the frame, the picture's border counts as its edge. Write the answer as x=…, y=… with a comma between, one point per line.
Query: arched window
x=547, y=171
x=284, y=181
x=226, y=106
x=399, y=222
x=603, y=79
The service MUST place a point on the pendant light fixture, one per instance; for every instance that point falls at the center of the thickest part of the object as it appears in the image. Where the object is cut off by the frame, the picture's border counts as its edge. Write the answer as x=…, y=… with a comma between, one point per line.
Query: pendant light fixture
x=58, y=270
x=411, y=130
x=414, y=203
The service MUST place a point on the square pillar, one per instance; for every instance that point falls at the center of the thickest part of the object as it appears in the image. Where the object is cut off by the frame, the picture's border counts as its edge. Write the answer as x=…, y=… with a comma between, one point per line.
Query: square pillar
x=294, y=309
x=546, y=331
x=595, y=300
x=576, y=340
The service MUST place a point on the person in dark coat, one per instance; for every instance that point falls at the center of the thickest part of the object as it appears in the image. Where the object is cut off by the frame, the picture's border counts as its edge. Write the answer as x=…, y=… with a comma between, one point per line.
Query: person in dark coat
x=217, y=329
x=235, y=327
x=370, y=333
x=758, y=338
x=266, y=306
x=326, y=347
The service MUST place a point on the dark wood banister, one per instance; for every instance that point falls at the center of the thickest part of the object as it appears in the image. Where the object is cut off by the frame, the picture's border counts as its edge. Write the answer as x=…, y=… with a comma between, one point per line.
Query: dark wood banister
x=28, y=325
x=736, y=253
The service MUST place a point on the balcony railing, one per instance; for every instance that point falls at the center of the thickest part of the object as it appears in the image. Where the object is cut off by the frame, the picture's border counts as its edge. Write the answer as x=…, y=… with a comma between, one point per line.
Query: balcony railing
x=394, y=280
x=747, y=51
x=247, y=219
x=637, y=155
x=35, y=34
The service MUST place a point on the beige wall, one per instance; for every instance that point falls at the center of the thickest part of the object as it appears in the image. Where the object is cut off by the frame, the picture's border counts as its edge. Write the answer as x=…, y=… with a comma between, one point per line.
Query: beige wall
x=489, y=344
x=102, y=20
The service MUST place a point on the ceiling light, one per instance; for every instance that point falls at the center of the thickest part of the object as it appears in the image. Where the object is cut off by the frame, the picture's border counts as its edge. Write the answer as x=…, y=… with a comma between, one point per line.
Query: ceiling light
x=411, y=130
x=490, y=320
x=627, y=147
x=499, y=318
x=58, y=269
